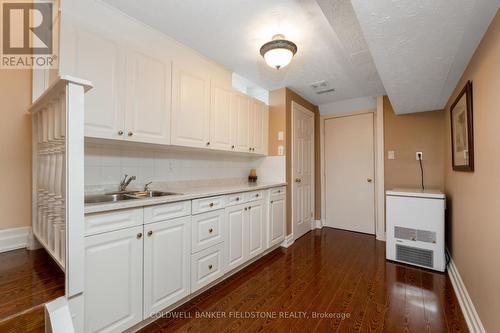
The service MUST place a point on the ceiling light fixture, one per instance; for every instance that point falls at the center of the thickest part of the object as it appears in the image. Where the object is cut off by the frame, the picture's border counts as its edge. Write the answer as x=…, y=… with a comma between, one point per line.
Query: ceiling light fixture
x=279, y=52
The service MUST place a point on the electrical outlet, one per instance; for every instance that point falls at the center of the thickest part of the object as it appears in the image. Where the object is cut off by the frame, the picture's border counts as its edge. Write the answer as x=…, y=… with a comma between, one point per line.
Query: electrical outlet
x=419, y=156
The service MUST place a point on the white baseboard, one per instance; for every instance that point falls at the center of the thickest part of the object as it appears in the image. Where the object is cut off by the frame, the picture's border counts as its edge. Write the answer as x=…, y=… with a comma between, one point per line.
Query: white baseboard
x=288, y=241
x=471, y=317
x=317, y=224
x=13, y=239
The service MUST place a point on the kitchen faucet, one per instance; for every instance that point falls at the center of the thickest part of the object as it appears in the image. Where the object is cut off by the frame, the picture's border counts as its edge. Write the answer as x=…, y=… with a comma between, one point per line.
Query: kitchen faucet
x=125, y=182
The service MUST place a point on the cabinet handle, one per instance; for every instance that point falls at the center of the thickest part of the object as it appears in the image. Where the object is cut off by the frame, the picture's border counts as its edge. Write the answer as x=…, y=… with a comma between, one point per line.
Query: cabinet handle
x=211, y=204
x=210, y=266
x=120, y=132
x=139, y=235
x=130, y=133
x=210, y=230
x=150, y=232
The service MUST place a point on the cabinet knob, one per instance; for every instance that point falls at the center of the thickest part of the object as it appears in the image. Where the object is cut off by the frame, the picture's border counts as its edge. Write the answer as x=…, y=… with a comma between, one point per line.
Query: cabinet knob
x=130, y=133
x=150, y=232
x=246, y=208
x=232, y=147
x=210, y=266
x=253, y=149
x=139, y=235
x=237, y=199
x=272, y=201
x=257, y=195
x=210, y=230
x=249, y=207
x=208, y=143
x=211, y=204
x=120, y=132
x=249, y=149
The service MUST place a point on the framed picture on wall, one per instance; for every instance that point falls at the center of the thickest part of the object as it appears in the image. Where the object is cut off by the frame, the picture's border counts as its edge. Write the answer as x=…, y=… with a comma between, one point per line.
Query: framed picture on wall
x=462, y=131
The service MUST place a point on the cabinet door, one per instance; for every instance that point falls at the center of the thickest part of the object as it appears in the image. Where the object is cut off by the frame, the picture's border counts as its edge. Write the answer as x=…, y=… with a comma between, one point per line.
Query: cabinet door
x=237, y=236
x=258, y=122
x=255, y=229
x=113, y=280
x=147, y=115
x=241, y=122
x=220, y=118
x=276, y=221
x=167, y=254
x=190, y=108
x=98, y=60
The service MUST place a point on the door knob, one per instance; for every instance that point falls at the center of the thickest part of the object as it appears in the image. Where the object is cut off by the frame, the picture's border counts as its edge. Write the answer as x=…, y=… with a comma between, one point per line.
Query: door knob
x=298, y=180
x=369, y=179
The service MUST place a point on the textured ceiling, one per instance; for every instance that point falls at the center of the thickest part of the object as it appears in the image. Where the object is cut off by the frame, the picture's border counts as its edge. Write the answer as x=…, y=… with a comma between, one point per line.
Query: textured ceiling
x=329, y=39
x=421, y=47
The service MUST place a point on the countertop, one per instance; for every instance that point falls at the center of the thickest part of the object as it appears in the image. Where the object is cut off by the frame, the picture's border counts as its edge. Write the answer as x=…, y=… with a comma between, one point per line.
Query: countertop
x=188, y=193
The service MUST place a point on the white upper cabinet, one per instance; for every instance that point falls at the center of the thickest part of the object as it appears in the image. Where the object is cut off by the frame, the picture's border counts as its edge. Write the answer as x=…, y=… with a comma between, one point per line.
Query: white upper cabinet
x=259, y=118
x=147, y=117
x=167, y=253
x=190, y=108
x=241, y=122
x=220, y=118
x=99, y=60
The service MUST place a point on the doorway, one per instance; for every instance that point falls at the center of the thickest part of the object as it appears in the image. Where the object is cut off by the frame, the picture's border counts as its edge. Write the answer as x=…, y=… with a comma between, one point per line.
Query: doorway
x=349, y=173
x=302, y=170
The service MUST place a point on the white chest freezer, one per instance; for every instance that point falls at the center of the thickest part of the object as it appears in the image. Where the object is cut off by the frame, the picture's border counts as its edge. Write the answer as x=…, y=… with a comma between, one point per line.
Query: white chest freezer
x=415, y=227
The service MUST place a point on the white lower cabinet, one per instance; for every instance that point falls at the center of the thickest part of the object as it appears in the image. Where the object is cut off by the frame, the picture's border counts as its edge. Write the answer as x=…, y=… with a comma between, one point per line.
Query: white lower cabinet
x=277, y=213
x=236, y=236
x=167, y=251
x=245, y=237
x=256, y=232
x=207, y=266
x=113, y=280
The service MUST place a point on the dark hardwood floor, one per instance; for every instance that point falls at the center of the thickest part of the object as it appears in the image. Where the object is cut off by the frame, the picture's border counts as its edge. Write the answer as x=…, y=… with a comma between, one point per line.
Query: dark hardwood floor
x=28, y=280
x=328, y=281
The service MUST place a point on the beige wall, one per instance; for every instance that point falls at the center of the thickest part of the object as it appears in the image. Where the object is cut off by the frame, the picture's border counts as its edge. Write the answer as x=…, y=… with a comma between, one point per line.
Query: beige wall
x=407, y=134
x=15, y=152
x=474, y=197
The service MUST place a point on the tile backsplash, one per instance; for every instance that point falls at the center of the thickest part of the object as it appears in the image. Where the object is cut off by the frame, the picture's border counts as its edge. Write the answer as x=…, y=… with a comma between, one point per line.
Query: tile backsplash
x=106, y=164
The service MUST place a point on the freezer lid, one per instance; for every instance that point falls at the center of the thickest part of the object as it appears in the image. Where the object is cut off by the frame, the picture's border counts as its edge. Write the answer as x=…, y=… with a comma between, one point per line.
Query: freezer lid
x=416, y=192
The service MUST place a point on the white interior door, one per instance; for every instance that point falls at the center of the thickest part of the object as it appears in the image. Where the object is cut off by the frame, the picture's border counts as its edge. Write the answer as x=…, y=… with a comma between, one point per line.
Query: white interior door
x=302, y=170
x=349, y=170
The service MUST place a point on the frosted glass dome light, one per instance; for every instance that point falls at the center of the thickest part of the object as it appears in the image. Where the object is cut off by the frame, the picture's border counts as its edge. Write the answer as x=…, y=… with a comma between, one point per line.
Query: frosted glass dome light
x=279, y=52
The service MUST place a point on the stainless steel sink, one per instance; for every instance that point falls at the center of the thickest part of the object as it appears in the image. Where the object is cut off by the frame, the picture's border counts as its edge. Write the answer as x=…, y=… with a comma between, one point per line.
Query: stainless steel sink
x=119, y=196
x=151, y=194
x=111, y=197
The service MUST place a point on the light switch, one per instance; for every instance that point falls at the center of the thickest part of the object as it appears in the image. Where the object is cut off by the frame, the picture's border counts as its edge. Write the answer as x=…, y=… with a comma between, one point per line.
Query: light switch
x=391, y=155
x=280, y=136
x=281, y=150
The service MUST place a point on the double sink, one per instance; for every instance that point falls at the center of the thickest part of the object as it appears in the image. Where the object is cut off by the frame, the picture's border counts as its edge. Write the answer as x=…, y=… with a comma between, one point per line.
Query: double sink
x=126, y=195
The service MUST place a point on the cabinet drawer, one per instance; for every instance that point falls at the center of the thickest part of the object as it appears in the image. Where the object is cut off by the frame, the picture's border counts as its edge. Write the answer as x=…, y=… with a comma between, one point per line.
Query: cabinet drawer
x=108, y=221
x=207, y=230
x=207, y=266
x=167, y=211
x=255, y=195
x=207, y=204
x=235, y=199
x=278, y=191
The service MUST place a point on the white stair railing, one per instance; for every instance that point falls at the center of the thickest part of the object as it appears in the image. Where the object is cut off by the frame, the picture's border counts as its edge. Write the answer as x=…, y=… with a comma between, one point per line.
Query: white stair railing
x=58, y=168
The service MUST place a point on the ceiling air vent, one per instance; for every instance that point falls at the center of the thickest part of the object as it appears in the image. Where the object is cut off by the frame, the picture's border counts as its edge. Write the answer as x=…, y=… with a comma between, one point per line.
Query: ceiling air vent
x=321, y=87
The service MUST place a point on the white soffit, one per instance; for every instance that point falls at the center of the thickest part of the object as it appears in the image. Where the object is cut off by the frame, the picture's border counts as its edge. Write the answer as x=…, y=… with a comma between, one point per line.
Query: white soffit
x=348, y=106
x=232, y=32
x=421, y=47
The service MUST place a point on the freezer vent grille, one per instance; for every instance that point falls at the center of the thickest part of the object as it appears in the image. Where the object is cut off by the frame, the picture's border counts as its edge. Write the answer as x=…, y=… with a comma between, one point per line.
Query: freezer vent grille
x=415, y=234
x=415, y=256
